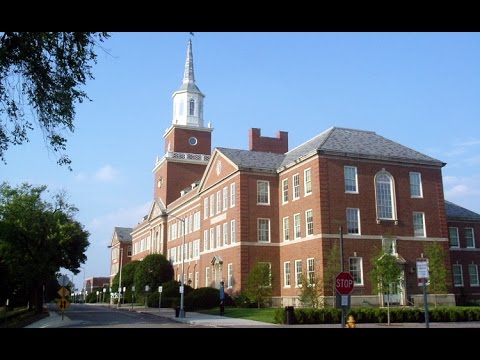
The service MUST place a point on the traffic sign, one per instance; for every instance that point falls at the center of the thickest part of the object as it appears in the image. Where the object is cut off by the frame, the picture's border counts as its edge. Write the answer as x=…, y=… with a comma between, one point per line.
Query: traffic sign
x=63, y=292
x=63, y=280
x=423, y=274
x=63, y=304
x=344, y=283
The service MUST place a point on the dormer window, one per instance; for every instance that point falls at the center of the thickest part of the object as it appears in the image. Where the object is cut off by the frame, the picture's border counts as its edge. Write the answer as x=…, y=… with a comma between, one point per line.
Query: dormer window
x=191, y=107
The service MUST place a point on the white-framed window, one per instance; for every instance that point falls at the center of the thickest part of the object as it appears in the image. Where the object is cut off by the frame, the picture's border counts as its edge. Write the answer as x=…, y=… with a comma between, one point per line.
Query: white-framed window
x=212, y=238
x=284, y=191
x=219, y=202
x=233, y=237
x=286, y=274
x=296, y=226
x=232, y=194
x=353, y=221
x=296, y=186
x=457, y=275
x=351, y=179
x=385, y=196
x=473, y=275
x=229, y=276
x=419, y=224
x=263, y=192
x=263, y=226
x=286, y=229
x=416, y=185
x=454, y=239
x=196, y=280
x=173, y=233
x=196, y=249
x=309, y=222
x=469, y=237
x=190, y=223
x=219, y=236
x=225, y=198
x=307, y=181
x=196, y=221
x=205, y=208
x=205, y=240
x=356, y=270
x=390, y=245
x=207, y=277
x=298, y=273
x=190, y=277
x=311, y=271
x=225, y=233
x=212, y=204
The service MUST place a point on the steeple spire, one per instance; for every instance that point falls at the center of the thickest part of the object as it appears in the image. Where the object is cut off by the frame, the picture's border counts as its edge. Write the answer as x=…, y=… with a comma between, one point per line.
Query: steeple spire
x=189, y=75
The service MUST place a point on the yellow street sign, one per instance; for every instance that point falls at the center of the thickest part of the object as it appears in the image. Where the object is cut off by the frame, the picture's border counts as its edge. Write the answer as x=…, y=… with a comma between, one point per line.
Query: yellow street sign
x=63, y=292
x=63, y=304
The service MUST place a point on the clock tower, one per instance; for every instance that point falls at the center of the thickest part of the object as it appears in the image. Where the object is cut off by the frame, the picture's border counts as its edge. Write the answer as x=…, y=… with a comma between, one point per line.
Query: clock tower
x=187, y=141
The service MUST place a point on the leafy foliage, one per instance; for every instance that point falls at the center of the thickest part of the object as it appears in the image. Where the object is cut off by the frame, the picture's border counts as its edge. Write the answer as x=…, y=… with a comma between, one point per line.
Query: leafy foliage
x=437, y=269
x=259, y=283
x=311, y=292
x=42, y=73
x=128, y=274
x=203, y=298
x=37, y=238
x=154, y=270
x=332, y=269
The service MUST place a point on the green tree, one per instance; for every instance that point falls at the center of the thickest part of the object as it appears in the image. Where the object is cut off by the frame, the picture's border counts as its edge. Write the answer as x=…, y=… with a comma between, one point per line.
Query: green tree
x=437, y=270
x=259, y=283
x=311, y=291
x=386, y=276
x=153, y=270
x=37, y=238
x=332, y=268
x=128, y=279
x=42, y=74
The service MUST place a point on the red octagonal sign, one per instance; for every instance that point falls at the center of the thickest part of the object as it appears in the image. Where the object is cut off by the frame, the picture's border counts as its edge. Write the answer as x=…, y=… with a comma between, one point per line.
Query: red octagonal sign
x=344, y=283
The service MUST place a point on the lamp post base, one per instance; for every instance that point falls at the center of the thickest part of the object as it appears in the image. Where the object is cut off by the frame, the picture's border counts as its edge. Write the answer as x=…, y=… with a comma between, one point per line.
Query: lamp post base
x=181, y=314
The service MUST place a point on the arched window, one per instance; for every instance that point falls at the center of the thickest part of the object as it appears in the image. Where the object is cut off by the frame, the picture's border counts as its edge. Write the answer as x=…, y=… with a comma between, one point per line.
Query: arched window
x=191, y=108
x=385, y=196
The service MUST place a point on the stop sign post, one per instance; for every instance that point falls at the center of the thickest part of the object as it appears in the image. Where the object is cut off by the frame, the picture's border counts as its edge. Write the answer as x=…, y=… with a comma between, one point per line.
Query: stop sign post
x=344, y=283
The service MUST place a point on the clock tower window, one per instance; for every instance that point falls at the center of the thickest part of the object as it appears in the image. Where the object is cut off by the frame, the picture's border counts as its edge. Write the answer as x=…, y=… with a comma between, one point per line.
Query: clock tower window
x=191, y=107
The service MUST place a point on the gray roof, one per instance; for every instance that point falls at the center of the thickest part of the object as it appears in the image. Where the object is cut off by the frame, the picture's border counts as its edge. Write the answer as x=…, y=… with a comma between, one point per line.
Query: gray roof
x=123, y=233
x=359, y=143
x=455, y=211
x=253, y=160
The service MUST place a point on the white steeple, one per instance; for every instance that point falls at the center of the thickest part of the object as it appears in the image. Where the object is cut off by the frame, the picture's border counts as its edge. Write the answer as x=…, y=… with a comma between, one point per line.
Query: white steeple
x=188, y=100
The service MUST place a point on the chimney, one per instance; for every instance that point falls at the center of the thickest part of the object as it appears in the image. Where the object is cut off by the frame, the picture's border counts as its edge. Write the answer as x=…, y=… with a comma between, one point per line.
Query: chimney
x=278, y=145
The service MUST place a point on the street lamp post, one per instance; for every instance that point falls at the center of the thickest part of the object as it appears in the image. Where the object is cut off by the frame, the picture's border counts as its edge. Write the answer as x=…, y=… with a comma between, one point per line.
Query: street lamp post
x=181, y=313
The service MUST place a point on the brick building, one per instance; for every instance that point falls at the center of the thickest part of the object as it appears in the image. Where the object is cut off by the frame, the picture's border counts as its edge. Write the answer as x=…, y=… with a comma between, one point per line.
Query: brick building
x=230, y=209
x=121, y=253
x=463, y=224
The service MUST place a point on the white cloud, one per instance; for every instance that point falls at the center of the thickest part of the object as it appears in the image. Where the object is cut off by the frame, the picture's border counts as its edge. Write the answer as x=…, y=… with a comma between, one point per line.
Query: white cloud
x=81, y=176
x=106, y=174
x=463, y=190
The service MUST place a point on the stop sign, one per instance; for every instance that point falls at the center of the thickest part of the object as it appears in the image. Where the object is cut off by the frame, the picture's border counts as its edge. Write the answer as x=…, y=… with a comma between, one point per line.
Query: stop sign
x=344, y=283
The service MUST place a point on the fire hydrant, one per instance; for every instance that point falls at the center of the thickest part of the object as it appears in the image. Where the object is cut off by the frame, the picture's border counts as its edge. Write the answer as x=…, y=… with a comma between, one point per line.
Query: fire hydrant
x=351, y=324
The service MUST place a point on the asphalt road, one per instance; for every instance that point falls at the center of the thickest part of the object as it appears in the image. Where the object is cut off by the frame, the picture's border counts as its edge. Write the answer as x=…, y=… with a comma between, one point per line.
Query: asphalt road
x=88, y=316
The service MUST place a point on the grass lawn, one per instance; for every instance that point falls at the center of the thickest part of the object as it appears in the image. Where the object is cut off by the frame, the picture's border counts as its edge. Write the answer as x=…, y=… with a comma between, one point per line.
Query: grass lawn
x=263, y=314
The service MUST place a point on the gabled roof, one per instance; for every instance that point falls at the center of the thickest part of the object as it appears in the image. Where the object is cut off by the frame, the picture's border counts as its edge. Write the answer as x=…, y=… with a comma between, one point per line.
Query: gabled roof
x=253, y=160
x=456, y=212
x=123, y=233
x=358, y=143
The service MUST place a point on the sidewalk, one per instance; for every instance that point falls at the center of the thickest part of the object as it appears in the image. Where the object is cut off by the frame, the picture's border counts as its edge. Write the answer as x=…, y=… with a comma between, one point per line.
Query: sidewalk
x=196, y=318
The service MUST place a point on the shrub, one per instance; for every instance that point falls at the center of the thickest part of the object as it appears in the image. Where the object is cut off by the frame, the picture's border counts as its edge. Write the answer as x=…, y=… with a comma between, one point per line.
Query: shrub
x=279, y=316
x=241, y=300
x=204, y=298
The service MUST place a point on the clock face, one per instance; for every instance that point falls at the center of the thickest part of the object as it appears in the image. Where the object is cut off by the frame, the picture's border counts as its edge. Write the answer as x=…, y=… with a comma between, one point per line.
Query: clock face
x=219, y=167
x=193, y=141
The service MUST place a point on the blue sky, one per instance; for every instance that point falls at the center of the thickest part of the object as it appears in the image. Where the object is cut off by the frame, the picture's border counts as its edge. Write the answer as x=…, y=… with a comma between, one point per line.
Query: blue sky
x=421, y=90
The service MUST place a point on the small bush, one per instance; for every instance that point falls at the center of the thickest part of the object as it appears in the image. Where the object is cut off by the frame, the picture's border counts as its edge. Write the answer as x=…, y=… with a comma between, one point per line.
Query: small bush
x=279, y=316
x=203, y=298
x=241, y=300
